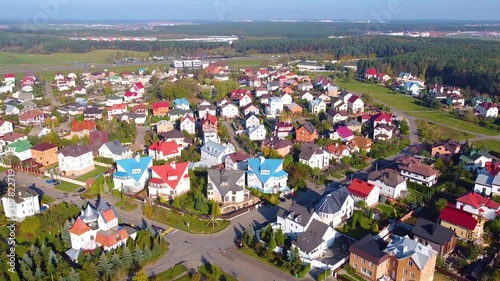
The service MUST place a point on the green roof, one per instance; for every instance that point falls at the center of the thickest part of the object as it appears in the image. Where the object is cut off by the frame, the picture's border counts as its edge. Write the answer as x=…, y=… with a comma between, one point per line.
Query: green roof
x=20, y=146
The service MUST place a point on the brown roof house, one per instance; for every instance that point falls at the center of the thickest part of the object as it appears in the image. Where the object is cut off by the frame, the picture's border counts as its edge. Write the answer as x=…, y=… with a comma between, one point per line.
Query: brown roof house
x=282, y=146
x=411, y=169
x=306, y=133
x=44, y=153
x=445, y=149
x=440, y=238
x=75, y=160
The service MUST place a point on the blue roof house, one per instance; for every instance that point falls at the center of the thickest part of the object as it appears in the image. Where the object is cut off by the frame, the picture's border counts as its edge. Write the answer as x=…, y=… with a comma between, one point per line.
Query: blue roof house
x=182, y=103
x=132, y=174
x=267, y=175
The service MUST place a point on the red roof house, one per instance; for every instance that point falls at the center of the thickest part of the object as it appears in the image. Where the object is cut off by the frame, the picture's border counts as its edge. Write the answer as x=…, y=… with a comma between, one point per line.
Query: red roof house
x=161, y=108
x=79, y=227
x=169, y=180
x=459, y=218
x=370, y=73
x=164, y=150
x=363, y=191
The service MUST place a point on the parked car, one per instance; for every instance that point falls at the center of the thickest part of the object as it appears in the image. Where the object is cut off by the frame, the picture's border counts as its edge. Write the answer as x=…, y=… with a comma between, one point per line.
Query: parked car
x=81, y=190
x=57, y=183
x=51, y=181
x=283, y=199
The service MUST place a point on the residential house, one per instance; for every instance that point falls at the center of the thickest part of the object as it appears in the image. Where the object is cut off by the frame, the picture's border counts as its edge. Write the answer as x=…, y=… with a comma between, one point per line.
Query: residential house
x=236, y=161
x=251, y=121
x=177, y=136
x=132, y=174
x=354, y=126
x=383, y=132
x=364, y=191
x=306, y=96
x=169, y=180
x=343, y=134
x=274, y=107
x=441, y=239
x=13, y=137
x=476, y=159
x=97, y=139
x=445, y=149
x=282, y=146
x=181, y=103
x=32, y=117
x=295, y=109
x=316, y=106
x=324, y=97
x=273, y=86
x=164, y=150
x=465, y=225
x=227, y=187
x=138, y=88
x=113, y=99
x=140, y=109
x=250, y=108
x=115, y=150
x=209, y=123
x=355, y=104
x=491, y=168
x=267, y=175
x=129, y=97
x=161, y=108
x=487, y=184
x=213, y=153
x=245, y=99
x=9, y=78
x=205, y=109
x=116, y=109
x=92, y=113
x=75, y=160
x=336, y=207
x=210, y=135
x=12, y=110
x=405, y=76
x=333, y=116
x=188, y=124
x=338, y=151
x=283, y=129
x=340, y=106
x=229, y=111
x=261, y=91
x=314, y=156
x=296, y=219
x=371, y=73
x=21, y=203
x=257, y=133
x=164, y=126
x=382, y=77
x=82, y=128
x=314, y=240
x=368, y=258
x=382, y=118
x=306, y=133
x=487, y=110
x=305, y=86
x=286, y=99
x=44, y=153
x=21, y=149
x=415, y=171
x=478, y=205
x=5, y=128
x=391, y=183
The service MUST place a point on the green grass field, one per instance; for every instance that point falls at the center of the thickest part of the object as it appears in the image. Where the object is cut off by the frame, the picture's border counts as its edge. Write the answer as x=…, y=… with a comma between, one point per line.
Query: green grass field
x=449, y=119
x=244, y=62
x=68, y=187
x=492, y=146
x=448, y=133
x=97, y=171
x=171, y=273
x=98, y=56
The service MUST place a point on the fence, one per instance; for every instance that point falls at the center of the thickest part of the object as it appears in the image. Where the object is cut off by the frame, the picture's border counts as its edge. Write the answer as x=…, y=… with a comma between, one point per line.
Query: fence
x=450, y=274
x=66, y=179
x=26, y=169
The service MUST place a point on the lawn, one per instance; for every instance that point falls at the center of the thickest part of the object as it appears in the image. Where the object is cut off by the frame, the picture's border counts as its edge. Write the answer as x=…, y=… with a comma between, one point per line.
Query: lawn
x=388, y=210
x=188, y=223
x=444, y=132
x=92, y=174
x=449, y=119
x=441, y=277
x=68, y=187
x=491, y=145
x=98, y=56
x=171, y=273
x=250, y=62
x=127, y=205
x=47, y=199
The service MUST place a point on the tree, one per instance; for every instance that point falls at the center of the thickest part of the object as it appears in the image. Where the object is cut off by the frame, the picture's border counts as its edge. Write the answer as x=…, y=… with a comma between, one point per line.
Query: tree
x=148, y=210
x=176, y=203
x=197, y=277
x=215, y=209
x=440, y=204
x=216, y=272
x=30, y=226
x=272, y=245
x=280, y=237
x=375, y=227
x=140, y=275
x=404, y=127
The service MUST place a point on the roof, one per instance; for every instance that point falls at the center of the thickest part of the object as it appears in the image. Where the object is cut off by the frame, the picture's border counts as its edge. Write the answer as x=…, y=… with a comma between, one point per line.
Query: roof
x=43, y=146
x=336, y=148
x=181, y=101
x=13, y=136
x=298, y=213
x=214, y=148
x=362, y=142
x=108, y=215
x=32, y=113
x=23, y=193
x=161, y=104
x=20, y=146
x=142, y=163
x=370, y=249
x=309, y=127
x=308, y=150
x=476, y=200
x=458, y=217
x=274, y=166
x=170, y=174
x=97, y=139
x=488, y=105
x=86, y=125
x=92, y=110
x=116, y=147
x=277, y=143
x=403, y=247
x=74, y=150
x=383, y=116
x=139, y=107
x=344, y=132
x=307, y=242
x=110, y=238
x=165, y=147
x=333, y=202
x=172, y=134
x=371, y=71
x=353, y=98
x=388, y=177
x=432, y=231
x=79, y=227
x=360, y=188
x=238, y=156
x=226, y=181
x=420, y=169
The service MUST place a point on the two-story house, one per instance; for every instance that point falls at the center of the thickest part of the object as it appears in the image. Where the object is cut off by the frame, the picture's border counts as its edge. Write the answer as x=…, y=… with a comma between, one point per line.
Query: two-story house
x=213, y=153
x=44, y=153
x=306, y=133
x=21, y=204
x=478, y=205
x=236, y=161
x=336, y=207
x=227, y=187
x=314, y=156
x=364, y=191
x=295, y=219
x=164, y=150
x=5, y=128
x=391, y=183
x=75, y=160
x=114, y=150
x=267, y=175
x=487, y=110
x=316, y=106
x=356, y=104
x=169, y=180
x=465, y=225
x=488, y=184
x=32, y=117
x=413, y=170
x=132, y=174
x=441, y=239
x=312, y=243
x=188, y=124
x=274, y=107
x=21, y=149
x=475, y=159
x=161, y=108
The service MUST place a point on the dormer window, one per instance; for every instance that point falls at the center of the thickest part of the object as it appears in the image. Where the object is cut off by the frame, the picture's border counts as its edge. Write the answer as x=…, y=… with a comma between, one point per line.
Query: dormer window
x=136, y=171
x=264, y=172
x=171, y=178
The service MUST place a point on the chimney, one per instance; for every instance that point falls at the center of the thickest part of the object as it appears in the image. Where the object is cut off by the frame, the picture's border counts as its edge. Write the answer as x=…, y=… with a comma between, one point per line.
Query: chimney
x=137, y=157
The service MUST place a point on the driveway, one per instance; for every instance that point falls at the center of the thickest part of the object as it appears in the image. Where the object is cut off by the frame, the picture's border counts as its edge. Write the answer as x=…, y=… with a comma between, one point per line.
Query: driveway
x=232, y=135
x=50, y=95
x=139, y=143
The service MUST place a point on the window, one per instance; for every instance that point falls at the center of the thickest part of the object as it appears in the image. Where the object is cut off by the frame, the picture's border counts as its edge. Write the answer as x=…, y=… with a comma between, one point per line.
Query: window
x=405, y=271
x=412, y=274
x=366, y=271
x=370, y=264
x=363, y=260
x=410, y=263
x=355, y=256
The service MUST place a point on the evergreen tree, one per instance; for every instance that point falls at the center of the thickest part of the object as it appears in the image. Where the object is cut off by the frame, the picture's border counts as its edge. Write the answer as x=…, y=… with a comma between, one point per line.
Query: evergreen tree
x=280, y=237
x=104, y=266
x=216, y=272
x=140, y=275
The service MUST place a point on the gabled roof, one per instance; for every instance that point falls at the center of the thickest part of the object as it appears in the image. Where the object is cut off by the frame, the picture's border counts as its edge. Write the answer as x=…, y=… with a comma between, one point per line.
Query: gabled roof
x=172, y=134
x=360, y=188
x=161, y=104
x=344, y=132
x=43, y=146
x=336, y=148
x=298, y=213
x=74, y=150
x=79, y=227
x=309, y=127
x=420, y=169
x=86, y=125
x=403, y=247
x=274, y=166
x=432, y=231
x=238, y=156
x=12, y=136
x=170, y=174
x=333, y=202
x=477, y=201
x=308, y=150
x=458, y=217
x=142, y=163
x=214, y=148
x=165, y=147
x=353, y=98
x=277, y=143
x=388, y=177
x=116, y=147
x=312, y=238
x=383, y=116
x=226, y=180
x=371, y=71
x=370, y=249
x=108, y=215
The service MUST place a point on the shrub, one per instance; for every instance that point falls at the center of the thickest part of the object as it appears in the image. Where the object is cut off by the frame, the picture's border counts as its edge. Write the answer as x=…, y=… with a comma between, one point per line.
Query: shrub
x=323, y=275
x=304, y=271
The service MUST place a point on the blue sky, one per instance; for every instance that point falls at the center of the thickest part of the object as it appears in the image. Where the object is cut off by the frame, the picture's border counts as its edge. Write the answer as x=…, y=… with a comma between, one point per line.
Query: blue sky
x=254, y=9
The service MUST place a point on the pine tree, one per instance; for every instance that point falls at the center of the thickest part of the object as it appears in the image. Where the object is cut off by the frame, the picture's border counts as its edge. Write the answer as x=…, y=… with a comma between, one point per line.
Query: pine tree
x=140, y=275
x=216, y=272
x=104, y=266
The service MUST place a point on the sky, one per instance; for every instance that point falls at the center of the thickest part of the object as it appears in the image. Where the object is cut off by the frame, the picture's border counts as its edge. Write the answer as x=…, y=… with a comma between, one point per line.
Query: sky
x=192, y=10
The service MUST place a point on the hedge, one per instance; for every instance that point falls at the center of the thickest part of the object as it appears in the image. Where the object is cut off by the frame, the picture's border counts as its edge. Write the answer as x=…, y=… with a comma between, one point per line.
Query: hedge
x=304, y=271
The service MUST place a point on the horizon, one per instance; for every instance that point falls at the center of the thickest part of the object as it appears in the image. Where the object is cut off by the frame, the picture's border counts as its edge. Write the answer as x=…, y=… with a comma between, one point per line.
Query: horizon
x=257, y=10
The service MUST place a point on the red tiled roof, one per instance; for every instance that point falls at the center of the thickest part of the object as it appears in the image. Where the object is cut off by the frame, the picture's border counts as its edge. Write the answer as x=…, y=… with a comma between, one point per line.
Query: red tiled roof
x=371, y=71
x=165, y=147
x=117, y=106
x=33, y=113
x=336, y=148
x=87, y=125
x=477, y=201
x=109, y=215
x=161, y=104
x=170, y=174
x=138, y=85
x=458, y=217
x=420, y=169
x=360, y=188
x=210, y=118
x=493, y=168
x=79, y=227
x=383, y=116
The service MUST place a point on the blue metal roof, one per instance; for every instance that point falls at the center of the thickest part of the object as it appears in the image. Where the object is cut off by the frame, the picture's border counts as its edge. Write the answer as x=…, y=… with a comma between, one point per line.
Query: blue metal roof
x=270, y=165
x=126, y=166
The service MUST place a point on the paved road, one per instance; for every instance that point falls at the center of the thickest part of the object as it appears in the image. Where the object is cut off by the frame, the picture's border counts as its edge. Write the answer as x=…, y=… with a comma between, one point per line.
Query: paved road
x=50, y=95
x=139, y=138
x=232, y=135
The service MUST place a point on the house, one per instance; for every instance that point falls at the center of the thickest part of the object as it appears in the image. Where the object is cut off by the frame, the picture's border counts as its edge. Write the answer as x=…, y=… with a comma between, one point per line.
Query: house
x=132, y=174
x=229, y=111
x=413, y=88
x=274, y=107
x=97, y=139
x=354, y=126
x=382, y=118
x=343, y=134
x=491, y=168
x=312, y=243
x=336, y=207
x=245, y=99
x=441, y=239
x=445, y=149
x=115, y=150
x=169, y=180
x=295, y=109
x=355, y=104
x=391, y=183
x=338, y=151
x=267, y=175
x=140, y=109
x=371, y=73
x=204, y=109
x=405, y=76
x=251, y=121
x=79, y=91
x=465, y=225
x=32, y=117
x=21, y=149
x=476, y=159
x=314, y=156
x=324, y=97
x=487, y=184
x=97, y=227
x=236, y=161
x=305, y=86
x=227, y=187
x=188, y=124
x=283, y=129
x=92, y=113
x=5, y=128
x=20, y=203
x=282, y=146
x=9, y=78
x=176, y=114
x=75, y=160
x=13, y=137
x=254, y=82
x=261, y=91
x=286, y=99
x=306, y=133
x=116, y=109
x=23, y=97
x=250, y=108
x=113, y=99
x=273, y=86
x=209, y=123
x=164, y=150
x=415, y=171
x=164, y=126
x=383, y=132
x=364, y=191
x=181, y=103
x=487, y=110
x=306, y=96
x=478, y=205
x=296, y=219
x=257, y=133
x=82, y=128
x=138, y=88
x=333, y=116
x=382, y=77
x=12, y=110
x=161, y=108
x=368, y=258
x=44, y=153
x=316, y=106
x=178, y=137
x=213, y=153
x=210, y=135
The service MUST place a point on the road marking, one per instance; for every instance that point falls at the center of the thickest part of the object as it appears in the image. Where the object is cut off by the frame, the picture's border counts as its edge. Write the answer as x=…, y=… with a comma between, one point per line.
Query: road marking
x=167, y=231
x=174, y=231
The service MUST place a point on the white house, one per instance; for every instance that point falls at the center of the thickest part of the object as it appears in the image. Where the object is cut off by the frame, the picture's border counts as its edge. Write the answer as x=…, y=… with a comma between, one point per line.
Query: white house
x=314, y=240
x=274, y=107
x=252, y=121
x=383, y=132
x=314, y=156
x=5, y=128
x=391, y=183
x=476, y=160
x=334, y=116
x=488, y=184
x=20, y=203
x=487, y=110
x=132, y=174
x=21, y=149
x=205, y=109
x=257, y=133
x=236, y=161
x=307, y=96
x=229, y=111
x=478, y=205
x=188, y=124
x=296, y=219
x=169, y=180
x=419, y=173
x=305, y=86
x=286, y=99
x=245, y=99
x=316, y=106
x=75, y=160
x=114, y=150
x=267, y=175
x=363, y=191
x=355, y=104
x=227, y=186
x=336, y=207
x=213, y=153
x=164, y=150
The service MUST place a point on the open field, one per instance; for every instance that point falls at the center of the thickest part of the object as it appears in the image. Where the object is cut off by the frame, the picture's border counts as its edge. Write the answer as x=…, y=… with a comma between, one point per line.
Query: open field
x=67, y=187
x=445, y=132
x=94, y=173
x=492, y=146
x=447, y=118
x=98, y=56
x=245, y=62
